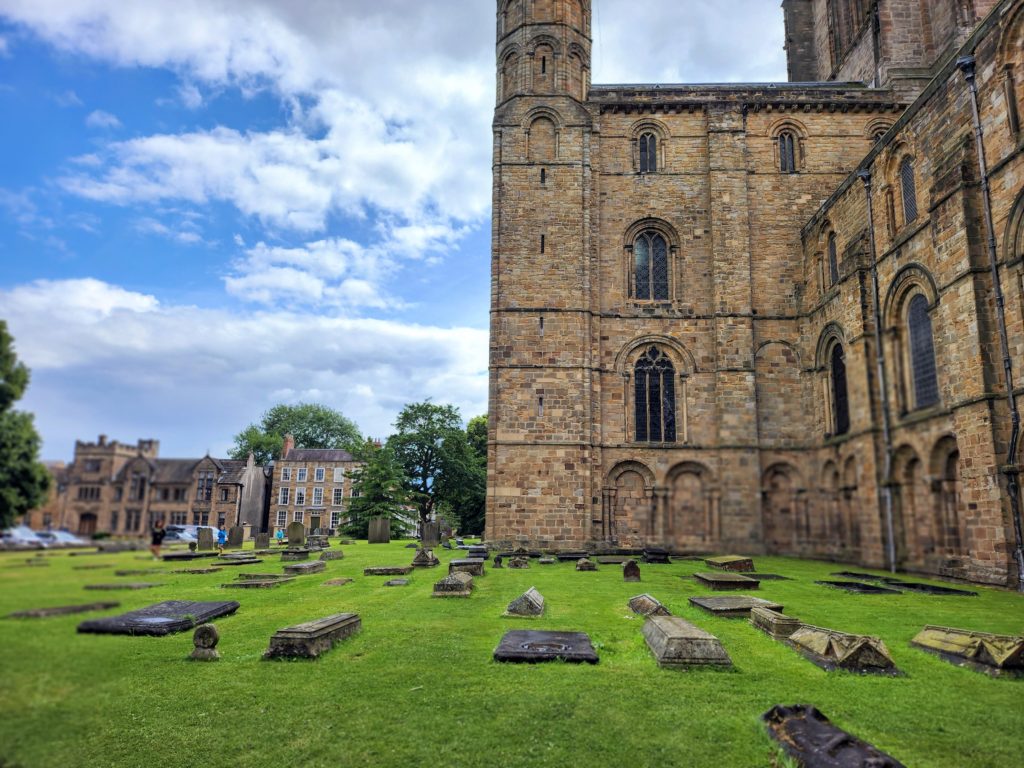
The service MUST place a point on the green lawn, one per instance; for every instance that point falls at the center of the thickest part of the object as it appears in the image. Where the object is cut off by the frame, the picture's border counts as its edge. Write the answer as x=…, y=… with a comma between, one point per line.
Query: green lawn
x=417, y=686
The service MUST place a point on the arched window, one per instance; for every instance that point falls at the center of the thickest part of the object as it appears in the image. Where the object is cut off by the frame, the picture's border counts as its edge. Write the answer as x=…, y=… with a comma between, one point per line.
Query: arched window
x=655, y=398
x=922, y=353
x=787, y=152
x=650, y=258
x=509, y=75
x=840, y=395
x=879, y=134
x=648, y=153
x=833, y=259
x=909, y=187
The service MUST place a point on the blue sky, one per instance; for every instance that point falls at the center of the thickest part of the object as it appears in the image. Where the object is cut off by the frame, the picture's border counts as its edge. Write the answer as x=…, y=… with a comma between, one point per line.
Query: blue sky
x=207, y=208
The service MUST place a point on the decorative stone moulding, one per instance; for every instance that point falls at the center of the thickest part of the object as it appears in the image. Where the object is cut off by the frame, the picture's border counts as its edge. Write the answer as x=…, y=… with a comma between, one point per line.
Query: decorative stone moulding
x=459, y=584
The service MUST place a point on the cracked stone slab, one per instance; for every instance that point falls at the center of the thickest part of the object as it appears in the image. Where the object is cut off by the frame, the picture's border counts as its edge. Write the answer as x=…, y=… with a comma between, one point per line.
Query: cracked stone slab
x=859, y=588
x=161, y=619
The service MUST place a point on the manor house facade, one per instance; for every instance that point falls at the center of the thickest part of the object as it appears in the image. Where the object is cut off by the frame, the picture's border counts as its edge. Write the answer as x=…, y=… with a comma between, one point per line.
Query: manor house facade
x=763, y=317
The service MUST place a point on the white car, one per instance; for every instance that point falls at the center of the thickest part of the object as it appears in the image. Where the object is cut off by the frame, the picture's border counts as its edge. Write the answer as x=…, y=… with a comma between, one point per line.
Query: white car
x=22, y=537
x=61, y=539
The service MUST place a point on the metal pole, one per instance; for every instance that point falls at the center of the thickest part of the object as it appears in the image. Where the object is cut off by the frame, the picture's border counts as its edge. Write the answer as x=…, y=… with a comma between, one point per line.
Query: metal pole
x=883, y=379
x=967, y=67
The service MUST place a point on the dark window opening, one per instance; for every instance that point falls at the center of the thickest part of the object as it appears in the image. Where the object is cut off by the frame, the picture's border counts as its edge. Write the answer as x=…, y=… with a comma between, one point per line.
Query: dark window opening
x=840, y=394
x=787, y=152
x=833, y=259
x=922, y=353
x=909, y=186
x=650, y=254
x=542, y=243
x=655, y=396
x=540, y=406
x=648, y=153
x=543, y=65
x=543, y=175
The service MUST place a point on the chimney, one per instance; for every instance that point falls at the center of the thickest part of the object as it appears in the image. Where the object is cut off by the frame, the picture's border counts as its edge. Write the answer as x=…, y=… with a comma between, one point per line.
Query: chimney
x=103, y=440
x=289, y=445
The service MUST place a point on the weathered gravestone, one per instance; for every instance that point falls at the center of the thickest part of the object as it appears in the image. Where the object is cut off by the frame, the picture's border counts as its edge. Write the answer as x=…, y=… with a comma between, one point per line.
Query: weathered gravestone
x=327, y=556
x=431, y=535
x=530, y=646
x=831, y=650
x=388, y=570
x=676, y=642
x=583, y=564
x=775, y=624
x=454, y=585
x=160, y=619
x=733, y=607
x=310, y=640
x=721, y=582
x=630, y=571
x=258, y=581
x=519, y=563
x=397, y=583
x=65, y=610
x=236, y=536
x=813, y=741
x=205, y=642
x=302, y=569
x=498, y=562
x=337, y=582
x=645, y=605
x=380, y=530
x=262, y=541
x=294, y=555
x=547, y=561
x=731, y=563
x=656, y=556
x=125, y=586
x=238, y=560
x=296, y=535
x=530, y=603
x=981, y=651
x=425, y=559
x=472, y=567
x=205, y=538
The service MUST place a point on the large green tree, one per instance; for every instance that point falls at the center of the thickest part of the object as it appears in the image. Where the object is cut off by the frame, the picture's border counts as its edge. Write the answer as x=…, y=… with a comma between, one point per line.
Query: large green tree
x=379, y=491
x=23, y=480
x=312, y=425
x=443, y=474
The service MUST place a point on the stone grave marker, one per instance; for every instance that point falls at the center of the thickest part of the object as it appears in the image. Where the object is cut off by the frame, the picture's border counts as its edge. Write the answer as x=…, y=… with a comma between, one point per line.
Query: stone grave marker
x=447, y=545
x=198, y=571
x=519, y=563
x=454, y=585
x=310, y=640
x=337, y=582
x=388, y=570
x=262, y=582
x=995, y=655
x=328, y=556
x=858, y=576
x=831, y=650
x=656, y=556
x=572, y=556
x=528, y=604
x=296, y=535
x=126, y=586
x=204, y=641
x=766, y=576
x=158, y=620
x=425, y=558
x=498, y=562
x=303, y=569
x=140, y=572
x=380, y=530
x=317, y=541
x=236, y=536
x=262, y=541
x=859, y=588
x=295, y=555
x=812, y=740
x=676, y=642
x=239, y=560
x=397, y=583
x=737, y=607
x=547, y=561
x=630, y=571
x=930, y=589
x=431, y=535
x=721, y=582
x=472, y=567
x=645, y=605
x=531, y=646
x=64, y=610
x=205, y=540
x=584, y=564
x=775, y=624
x=175, y=557
x=731, y=563
x=613, y=559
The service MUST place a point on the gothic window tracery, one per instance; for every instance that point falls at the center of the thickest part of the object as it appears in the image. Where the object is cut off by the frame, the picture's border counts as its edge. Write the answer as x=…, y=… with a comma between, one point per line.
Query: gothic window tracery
x=648, y=152
x=908, y=185
x=922, y=353
x=839, y=391
x=833, y=259
x=651, y=267
x=787, y=152
x=655, y=398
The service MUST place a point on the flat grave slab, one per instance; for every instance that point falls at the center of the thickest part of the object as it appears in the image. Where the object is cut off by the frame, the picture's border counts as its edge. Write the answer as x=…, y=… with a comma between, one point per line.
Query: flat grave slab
x=676, y=642
x=313, y=638
x=529, y=604
x=472, y=567
x=721, y=582
x=775, y=624
x=831, y=650
x=331, y=555
x=656, y=556
x=397, y=583
x=388, y=570
x=981, y=651
x=571, y=556
x=337, y=582
x=547, y=561
x=858, y=576
x=731, y=563
x=737, y=607
x=257, y=583
x=584, y=564
x=239, y=561
x=177, y=557
x=302, y=569
x=125, y=586
x=90, y=567
x=530, y=647
x=140, y=572
x=813, y=741
x=931, y=589
x=64, y=610
x=646, y=605
x=199, y=571
x=766, y=576
x=612, y=559
x=859, y=588
x=161, y=619
x=459, y=584
x=295, y=555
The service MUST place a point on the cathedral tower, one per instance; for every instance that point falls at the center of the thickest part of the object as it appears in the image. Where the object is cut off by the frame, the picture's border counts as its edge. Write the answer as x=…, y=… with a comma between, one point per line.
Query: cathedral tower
x=539, y=483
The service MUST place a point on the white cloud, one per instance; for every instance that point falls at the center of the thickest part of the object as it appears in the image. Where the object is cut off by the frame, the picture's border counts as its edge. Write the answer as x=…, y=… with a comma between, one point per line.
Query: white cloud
x=191, y=97
x=187, y=232
x=67, y=99
x=104, y=358
x=100, y=119
x=5, y=47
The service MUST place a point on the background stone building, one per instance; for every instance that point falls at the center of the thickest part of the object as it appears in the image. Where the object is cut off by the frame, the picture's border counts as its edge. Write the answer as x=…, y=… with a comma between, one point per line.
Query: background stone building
x=311, y=486
x=683, y=339
x=120, y=489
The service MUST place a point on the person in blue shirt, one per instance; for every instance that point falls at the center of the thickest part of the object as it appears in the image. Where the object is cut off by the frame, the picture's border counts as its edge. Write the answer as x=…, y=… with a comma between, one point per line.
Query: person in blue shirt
x=222, y=538
x=279, y=536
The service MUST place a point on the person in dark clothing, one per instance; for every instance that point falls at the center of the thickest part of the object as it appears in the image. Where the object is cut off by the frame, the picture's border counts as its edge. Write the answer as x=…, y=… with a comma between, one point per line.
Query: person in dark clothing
x=158, y=533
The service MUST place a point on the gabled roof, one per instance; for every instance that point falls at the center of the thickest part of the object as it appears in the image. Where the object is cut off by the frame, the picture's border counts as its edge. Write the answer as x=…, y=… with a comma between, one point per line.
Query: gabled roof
x=318, y=454
x=174, y=471
x=232, y=472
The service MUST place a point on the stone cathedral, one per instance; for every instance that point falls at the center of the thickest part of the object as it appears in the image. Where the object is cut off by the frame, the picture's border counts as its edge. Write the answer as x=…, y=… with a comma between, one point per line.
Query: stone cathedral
x=764, y=318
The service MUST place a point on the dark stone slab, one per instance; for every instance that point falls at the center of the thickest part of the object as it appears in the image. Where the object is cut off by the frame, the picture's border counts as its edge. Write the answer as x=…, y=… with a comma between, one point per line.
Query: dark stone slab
x=199, y=571
x=859, y=576
x=302, y=569
x=859, y=588
x=177, y=557
x=656, y=556
x=994, y=655
x=527, y=646
x=612, y=559
x=411, y=546
x=731, y=563
x=328, y=557
x=930, y=589
x=645, y=605
x=630, y=571
x=721, y=582
x=90, y=567
x=296, y=555
x=257, y=583
x=160, y=619
x=676, y=642
x=239, y=561
x=310, y=640
x=388, y=570
x=140, y=572
x=521, y=552
x=573, y=556
x=529, y=604
x=737, y=607
x=813, y=741
x=125, y=586
x=766, y=576
x=65, y=610
x=337, y=582
x=397, y=583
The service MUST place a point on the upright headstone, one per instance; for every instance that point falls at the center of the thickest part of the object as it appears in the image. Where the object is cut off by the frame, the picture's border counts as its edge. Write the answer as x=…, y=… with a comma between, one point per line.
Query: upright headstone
x=296, y=535
x=262, y=541
x=431, y=535
x=630, y=571
x=205, y=641
x=205, y=540
x=380, y=530
x=235, y=537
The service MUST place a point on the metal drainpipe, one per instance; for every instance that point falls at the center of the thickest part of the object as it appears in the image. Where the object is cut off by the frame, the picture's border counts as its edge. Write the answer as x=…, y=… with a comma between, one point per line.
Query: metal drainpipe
x=883, y=379
x=967, y=67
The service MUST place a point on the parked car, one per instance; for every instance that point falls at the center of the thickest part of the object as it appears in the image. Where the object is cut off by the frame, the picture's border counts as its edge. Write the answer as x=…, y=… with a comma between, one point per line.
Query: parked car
x=22, y=537
x=62, y=539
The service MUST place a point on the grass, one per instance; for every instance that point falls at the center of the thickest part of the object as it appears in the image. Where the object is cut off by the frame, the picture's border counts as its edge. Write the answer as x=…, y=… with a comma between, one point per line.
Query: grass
x=418, y=686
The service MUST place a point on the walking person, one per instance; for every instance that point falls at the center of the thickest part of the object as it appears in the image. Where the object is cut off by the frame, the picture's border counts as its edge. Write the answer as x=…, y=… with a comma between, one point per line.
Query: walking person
x=158, y=532
x=222, y=538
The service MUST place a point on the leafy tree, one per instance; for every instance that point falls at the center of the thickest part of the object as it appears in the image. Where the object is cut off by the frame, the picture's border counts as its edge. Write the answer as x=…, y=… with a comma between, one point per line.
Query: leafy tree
x=442, y=471
x=24, y=482
x=379, y=492
x=476, y=432
x=312, y=425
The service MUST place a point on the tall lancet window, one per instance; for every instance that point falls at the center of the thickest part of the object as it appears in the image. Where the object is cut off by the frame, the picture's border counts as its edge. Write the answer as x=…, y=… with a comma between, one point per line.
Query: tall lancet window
x=655, y=398
x=650, y=254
